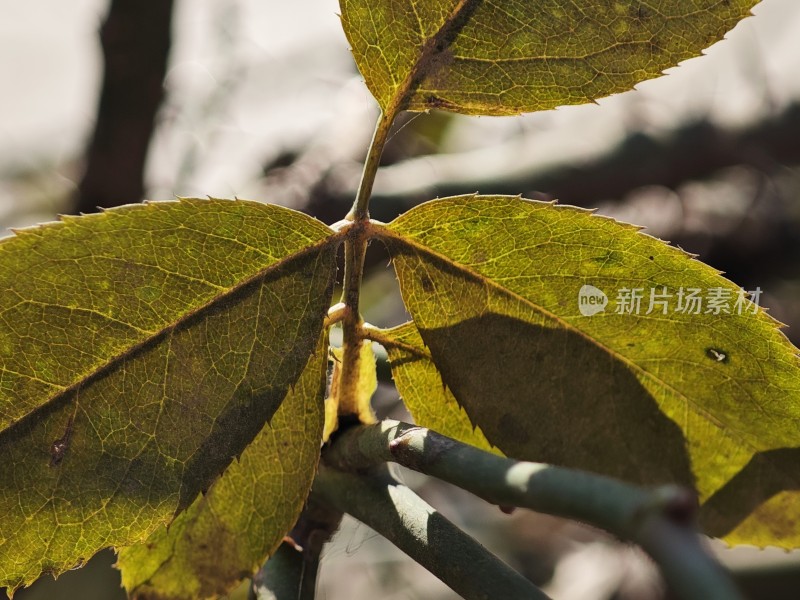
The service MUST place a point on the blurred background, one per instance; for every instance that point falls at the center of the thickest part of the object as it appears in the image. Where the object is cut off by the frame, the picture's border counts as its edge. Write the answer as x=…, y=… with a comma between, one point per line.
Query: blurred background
x=106, y=103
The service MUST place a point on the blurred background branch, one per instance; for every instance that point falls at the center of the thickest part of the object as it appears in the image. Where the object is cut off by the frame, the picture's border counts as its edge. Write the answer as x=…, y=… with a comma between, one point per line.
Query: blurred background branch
x=136, y=38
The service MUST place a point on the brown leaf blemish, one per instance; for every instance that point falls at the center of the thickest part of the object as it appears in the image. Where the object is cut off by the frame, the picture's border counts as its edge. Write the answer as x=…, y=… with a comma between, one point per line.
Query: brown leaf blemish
x=718, y=355
x=59, y=447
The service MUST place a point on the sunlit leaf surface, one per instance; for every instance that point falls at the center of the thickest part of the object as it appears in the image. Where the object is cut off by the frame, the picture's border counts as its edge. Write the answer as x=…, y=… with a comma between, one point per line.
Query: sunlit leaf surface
x=507, y=57
x=142, y=349
x=707, y=395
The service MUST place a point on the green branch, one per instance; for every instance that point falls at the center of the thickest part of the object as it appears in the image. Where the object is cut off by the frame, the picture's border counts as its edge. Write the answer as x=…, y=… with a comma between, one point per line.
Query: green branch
x=401, y=516
x=658, y=520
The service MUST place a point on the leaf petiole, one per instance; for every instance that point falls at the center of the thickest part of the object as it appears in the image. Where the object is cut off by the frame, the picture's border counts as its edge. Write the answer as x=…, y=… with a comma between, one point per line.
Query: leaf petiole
x=360, y=209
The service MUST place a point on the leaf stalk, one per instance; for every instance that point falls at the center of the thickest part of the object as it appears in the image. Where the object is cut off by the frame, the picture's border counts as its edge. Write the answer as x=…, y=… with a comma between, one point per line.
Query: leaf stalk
x=360, y=209
x=355, y=248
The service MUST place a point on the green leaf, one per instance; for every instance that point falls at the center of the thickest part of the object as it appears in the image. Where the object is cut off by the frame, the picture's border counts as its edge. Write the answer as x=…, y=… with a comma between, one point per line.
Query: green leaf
x=227, y=533
x=422, y=390
x=711, y=400
x=504, y=57
x=142, y=349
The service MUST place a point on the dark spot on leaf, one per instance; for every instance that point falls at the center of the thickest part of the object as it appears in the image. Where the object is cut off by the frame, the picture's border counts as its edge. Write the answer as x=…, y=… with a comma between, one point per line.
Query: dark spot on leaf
x=718, y=355
x=427, y=284
x=59, y=447
x=57, y=451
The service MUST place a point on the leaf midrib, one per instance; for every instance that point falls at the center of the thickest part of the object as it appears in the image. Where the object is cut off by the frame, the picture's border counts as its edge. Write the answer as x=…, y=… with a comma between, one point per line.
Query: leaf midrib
x=86, y=378
x=386, y=234
x=404, y=92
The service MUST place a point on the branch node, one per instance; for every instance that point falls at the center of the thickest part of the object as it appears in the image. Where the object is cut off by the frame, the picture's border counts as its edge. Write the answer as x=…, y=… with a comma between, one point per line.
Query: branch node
x=679, y=505
x=415, y=449
x=682, y=507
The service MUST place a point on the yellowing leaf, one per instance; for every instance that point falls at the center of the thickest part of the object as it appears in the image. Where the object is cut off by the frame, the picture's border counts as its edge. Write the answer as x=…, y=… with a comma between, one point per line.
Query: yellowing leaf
x=359, y=406
x=505, y=57
x=228, y=532
x=424, y=393
x=712, y=399
x=142, y=349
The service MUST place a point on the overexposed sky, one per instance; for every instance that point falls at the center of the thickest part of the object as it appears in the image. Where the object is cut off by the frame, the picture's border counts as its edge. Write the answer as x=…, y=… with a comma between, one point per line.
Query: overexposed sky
x=250, y=78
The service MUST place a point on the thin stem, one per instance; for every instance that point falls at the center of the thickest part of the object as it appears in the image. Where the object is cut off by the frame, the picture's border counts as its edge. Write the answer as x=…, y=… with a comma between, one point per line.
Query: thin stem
x=401, y=516
x=335, y=314
x=360, y=209
x=658, y=520
x=375, y=334
x=354, y=250
x=281, y=576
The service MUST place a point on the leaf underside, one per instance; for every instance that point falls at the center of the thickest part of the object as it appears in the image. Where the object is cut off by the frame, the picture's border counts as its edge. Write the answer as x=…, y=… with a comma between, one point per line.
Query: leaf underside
x=496, y=57
x=141, y=350
x=228, y=532
x=710, y=400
